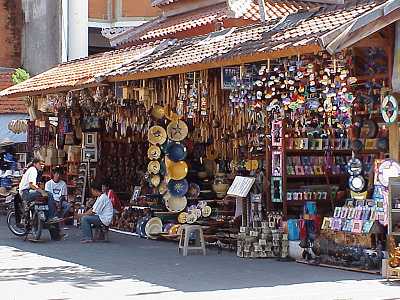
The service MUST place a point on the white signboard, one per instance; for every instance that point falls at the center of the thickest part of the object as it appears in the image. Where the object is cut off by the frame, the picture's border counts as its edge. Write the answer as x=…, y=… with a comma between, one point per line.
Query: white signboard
x=241, y=186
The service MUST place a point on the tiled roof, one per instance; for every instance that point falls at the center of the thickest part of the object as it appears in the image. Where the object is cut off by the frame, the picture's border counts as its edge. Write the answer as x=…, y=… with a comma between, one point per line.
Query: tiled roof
x=10, y=105
x=297, y=30
x=250, y=43
x=163, y=27
x=79, y=72
x=162, y=2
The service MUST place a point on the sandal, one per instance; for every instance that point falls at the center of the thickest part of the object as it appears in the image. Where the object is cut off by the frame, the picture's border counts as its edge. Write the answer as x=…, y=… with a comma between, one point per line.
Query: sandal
x=86, y=241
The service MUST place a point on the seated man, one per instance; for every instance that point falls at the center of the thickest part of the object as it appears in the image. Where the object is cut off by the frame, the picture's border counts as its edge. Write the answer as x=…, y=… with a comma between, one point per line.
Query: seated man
x=100, y=214
x=57, y=189
x=29, y=188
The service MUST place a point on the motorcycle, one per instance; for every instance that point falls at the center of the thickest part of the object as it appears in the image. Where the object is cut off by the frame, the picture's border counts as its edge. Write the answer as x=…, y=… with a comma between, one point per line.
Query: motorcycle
x=30, y=218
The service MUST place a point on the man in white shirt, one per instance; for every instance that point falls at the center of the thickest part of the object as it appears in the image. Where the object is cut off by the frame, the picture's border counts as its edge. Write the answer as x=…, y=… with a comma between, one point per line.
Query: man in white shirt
x=29, y=188
x=57, y=189
x=100, y=214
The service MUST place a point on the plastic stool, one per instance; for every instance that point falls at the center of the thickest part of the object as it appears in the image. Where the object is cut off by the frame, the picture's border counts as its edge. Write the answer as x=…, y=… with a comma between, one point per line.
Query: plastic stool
x=187, y=230
x=100, y=233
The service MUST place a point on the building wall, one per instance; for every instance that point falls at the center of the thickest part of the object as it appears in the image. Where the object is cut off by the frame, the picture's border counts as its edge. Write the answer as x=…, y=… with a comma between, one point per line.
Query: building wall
x=138, y=8
x=10, y=33
x=42, y=35
x=98, y=9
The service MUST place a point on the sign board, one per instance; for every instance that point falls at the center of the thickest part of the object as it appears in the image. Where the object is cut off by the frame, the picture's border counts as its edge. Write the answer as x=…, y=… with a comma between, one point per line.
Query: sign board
x=241, y=186
x=230, y=77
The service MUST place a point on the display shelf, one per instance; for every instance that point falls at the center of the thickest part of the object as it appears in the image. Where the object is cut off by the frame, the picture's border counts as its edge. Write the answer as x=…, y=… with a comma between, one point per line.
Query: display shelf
x=314, y=176
x=293, y=152
x=315, y=152
x=302, y=202
x=395, y=210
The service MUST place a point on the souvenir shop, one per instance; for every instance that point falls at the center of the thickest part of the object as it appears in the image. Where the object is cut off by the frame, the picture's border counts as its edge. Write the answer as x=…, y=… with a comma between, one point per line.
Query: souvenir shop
x=311, y=130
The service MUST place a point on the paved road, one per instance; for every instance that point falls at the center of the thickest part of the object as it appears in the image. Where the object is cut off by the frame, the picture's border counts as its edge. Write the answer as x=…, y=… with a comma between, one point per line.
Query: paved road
x=133, y=268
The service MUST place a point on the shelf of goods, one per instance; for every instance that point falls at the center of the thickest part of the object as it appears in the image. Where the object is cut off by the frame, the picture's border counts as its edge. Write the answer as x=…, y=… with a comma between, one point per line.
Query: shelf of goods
x=393, y=266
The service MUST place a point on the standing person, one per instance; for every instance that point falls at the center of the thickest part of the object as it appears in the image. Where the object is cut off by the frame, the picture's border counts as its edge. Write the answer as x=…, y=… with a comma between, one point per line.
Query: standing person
x=57, y=188
x=106, y=188
x=100, y=214
x=29, y=188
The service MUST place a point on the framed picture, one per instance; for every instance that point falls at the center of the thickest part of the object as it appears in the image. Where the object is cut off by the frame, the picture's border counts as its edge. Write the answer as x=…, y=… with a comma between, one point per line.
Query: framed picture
x=343, y=213
x=90, y=139
x=276, y=163
x=358, y=214
x=308, y=170
x=318, y=170
x=370, y=144
x=352, y=213
x=337, y=213
x=318, y=144
x=337, y=224
x=367, y=226
x=89, y=154
x=276, y=189
x=136, y=193
x=357, y=226
x=277, y=132
x=299, y=170
x=230, y=76
x=326, y=224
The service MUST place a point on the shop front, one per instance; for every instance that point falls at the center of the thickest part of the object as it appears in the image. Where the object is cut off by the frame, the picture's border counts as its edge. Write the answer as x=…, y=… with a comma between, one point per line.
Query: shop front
x=314, y=131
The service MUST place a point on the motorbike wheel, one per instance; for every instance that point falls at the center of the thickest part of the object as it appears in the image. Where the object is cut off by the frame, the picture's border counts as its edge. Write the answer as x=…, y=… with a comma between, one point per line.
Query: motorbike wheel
x=12, y=224
x=37, y=226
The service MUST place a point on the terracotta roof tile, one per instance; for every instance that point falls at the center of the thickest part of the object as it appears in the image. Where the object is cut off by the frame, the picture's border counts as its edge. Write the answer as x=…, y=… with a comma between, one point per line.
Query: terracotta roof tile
x=164, y=27
x=80, y=72
x=301, y=29
x=247, y=40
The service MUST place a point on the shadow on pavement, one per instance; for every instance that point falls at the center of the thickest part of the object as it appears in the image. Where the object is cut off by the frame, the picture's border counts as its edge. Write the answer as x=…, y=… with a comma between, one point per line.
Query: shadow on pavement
x=159, y=263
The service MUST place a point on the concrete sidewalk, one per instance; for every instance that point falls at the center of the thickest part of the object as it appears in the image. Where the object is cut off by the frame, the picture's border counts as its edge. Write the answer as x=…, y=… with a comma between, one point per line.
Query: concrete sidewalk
x=133, y=268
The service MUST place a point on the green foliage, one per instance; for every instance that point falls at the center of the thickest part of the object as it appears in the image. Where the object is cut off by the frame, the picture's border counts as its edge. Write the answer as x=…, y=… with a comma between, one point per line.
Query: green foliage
x=19, y=76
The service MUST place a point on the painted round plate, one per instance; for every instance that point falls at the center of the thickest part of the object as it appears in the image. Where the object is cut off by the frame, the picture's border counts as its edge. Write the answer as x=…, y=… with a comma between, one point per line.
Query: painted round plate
x=182, y=217
x=388, y=168
x=206, y=211
x=153, y=167
x=177, y=170
x=177, y=131
x=389, y=109
x=157, y=135
x=158, y=112
x=356, y=183
x=178, y=188
x=174, y=230
x=354, y=167
x=202, y=204
x=176, y=152
x=191, y=218
x=154, y=152
x=155, y=180
x=194, y=191
x=153, y=227
x=174, y=204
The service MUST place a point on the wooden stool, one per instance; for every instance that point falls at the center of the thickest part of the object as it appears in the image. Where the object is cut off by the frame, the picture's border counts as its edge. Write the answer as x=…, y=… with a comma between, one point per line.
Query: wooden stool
x=100, y=233
x=187, y=230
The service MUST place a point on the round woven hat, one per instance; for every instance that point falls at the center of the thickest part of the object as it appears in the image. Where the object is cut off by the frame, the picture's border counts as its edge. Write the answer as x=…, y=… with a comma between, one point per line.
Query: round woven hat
x=157, y=135
x=177, y=131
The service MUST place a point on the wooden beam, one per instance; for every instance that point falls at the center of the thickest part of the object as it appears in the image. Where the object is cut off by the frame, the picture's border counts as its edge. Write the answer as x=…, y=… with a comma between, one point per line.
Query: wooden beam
x=367, y=30
x=236, y=60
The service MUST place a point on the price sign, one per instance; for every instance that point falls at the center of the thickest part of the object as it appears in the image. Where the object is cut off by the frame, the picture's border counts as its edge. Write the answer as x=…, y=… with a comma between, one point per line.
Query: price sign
x=241, y=186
